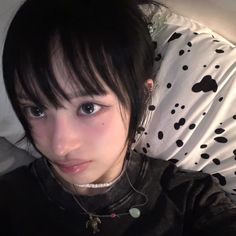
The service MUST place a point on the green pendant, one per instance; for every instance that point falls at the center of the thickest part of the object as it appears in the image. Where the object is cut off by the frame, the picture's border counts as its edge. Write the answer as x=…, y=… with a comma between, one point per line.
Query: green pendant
x=134, y=212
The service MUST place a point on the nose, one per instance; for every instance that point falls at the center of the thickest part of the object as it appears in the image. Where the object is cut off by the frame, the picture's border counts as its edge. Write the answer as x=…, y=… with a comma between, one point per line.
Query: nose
x=64, y=135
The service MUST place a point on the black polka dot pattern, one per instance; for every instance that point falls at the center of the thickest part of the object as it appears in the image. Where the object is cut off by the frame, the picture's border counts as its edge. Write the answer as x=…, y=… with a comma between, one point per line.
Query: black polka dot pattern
x=221, y=139
x=192, y=126
x=182, y=123
x=160, y=135
x=205, y=156
x=219, y=51
x=216, y=161
x=181, y=52
x=140, y=130
x=205, y=85
x=179, y=124
x=151, y=108
x=221, y=178
x=174, y=36
x=219, y=131
x=144, y=150
x=179, y=143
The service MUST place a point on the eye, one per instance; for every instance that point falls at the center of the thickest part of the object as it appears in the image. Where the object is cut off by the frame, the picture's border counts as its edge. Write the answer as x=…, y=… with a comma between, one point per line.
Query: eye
x=89, y=108
x=34, y=112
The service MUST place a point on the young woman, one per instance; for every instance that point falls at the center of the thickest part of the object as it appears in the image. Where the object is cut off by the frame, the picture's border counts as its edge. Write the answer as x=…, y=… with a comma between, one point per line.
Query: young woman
x=79, y=76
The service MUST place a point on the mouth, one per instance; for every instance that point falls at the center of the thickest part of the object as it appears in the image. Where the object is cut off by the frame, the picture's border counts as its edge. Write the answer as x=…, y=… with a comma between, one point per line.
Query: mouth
x=72, y=168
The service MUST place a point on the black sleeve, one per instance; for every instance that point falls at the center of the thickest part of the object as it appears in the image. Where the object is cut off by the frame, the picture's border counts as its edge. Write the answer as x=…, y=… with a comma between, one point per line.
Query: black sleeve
x=207, y=209
x=214, y=213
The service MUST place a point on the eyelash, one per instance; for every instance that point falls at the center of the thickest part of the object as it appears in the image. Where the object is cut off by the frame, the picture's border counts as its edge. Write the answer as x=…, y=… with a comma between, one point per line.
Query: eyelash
x=92, y=106
x=28, y=112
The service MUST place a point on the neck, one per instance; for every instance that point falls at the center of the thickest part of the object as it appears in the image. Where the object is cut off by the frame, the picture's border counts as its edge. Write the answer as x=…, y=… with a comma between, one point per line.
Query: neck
x=88, y=189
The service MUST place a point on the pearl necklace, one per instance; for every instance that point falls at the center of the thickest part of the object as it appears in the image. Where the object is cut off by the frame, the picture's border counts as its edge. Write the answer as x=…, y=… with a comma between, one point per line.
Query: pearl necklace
x=102, y=185
x=95, y=219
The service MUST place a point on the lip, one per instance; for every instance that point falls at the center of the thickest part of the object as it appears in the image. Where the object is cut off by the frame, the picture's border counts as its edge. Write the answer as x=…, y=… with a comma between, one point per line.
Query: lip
x=73, y=167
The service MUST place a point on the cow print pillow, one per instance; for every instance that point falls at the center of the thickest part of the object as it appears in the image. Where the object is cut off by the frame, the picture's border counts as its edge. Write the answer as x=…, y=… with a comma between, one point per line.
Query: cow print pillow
x=192, y=118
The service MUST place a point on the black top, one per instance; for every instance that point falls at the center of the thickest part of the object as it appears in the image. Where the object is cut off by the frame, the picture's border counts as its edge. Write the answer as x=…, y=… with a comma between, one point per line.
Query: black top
x=33, y=203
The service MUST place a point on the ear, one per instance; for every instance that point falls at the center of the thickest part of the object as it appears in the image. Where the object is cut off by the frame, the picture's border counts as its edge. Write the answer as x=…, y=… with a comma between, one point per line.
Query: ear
x=149, y=84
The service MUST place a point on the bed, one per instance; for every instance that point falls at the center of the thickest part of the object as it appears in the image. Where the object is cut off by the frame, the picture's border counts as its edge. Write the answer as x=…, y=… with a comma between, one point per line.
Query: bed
x=192, y=118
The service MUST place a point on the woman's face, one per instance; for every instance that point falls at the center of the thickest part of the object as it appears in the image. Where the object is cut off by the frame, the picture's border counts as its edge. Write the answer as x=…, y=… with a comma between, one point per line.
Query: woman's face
x=85, y=140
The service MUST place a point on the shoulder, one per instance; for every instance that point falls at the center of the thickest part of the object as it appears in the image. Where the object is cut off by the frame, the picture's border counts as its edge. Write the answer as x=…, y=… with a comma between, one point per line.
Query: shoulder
x=170, y=175
x=172, y=180
x=15, y=177
x=17, y=184
x=187, y=188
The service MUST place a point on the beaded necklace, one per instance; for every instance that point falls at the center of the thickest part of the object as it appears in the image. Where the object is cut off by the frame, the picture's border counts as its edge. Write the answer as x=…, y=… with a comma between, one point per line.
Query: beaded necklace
x=102, y=185
x=95, y=219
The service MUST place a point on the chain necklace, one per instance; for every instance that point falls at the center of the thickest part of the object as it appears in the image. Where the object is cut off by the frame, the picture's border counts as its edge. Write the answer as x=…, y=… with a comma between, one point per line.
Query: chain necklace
x=95, y=219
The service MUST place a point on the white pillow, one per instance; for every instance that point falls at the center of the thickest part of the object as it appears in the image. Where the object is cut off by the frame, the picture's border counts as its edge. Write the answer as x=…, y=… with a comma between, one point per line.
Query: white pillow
x=194, y=121
x=179, y=66
x=11, y=130
x=10, y=127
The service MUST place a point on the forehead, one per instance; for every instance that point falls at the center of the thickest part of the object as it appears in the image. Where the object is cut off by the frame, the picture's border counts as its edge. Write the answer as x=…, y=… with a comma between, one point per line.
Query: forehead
x=66, y=82
x=64, y=75
x=69, y=82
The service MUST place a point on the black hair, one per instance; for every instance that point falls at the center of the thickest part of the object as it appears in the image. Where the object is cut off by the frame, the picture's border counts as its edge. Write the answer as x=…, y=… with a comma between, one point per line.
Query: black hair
x=98, y=39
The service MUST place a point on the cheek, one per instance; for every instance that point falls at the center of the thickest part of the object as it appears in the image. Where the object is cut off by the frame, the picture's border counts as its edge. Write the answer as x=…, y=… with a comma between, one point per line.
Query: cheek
x=40, y=133
x=111, y=129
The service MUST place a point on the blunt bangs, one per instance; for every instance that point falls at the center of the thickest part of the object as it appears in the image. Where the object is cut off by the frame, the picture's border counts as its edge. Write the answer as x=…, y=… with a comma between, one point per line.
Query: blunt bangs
x=94, y=43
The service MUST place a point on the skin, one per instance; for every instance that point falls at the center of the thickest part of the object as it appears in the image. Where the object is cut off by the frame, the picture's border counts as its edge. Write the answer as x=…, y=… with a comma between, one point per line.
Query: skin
x=86, y=140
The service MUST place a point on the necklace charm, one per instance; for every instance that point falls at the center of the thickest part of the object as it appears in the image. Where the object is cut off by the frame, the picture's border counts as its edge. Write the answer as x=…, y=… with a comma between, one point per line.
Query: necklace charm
x=134, y=212
x=92, y=223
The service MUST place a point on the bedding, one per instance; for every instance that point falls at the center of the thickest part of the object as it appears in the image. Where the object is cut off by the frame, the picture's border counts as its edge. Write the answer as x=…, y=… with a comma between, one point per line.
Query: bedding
x=192, y=118
x=218, y=15
x=193, y=113
x=12, y=157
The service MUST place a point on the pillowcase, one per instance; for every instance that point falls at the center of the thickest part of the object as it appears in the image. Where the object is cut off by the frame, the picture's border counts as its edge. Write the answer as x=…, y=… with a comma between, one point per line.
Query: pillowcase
x=193, y=112
x=193, y=115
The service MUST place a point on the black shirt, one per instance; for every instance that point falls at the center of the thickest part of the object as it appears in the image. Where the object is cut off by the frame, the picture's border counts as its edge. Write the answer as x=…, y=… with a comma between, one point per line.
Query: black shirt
x=32, y=202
